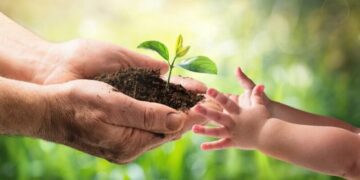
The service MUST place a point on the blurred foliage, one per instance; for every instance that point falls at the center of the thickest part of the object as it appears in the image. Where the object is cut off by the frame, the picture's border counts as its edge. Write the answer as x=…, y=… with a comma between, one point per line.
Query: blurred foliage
x=307, y=53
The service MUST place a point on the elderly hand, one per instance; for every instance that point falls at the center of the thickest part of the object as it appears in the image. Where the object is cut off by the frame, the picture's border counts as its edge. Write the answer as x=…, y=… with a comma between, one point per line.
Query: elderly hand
x=92, y=117
x=84, y=114
x=82, y=59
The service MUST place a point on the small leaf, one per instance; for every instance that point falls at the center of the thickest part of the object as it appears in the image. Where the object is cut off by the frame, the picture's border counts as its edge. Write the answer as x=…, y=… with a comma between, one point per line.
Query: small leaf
x=183, y=51
x=157, y=46
x=179, y=43
x=199, y=64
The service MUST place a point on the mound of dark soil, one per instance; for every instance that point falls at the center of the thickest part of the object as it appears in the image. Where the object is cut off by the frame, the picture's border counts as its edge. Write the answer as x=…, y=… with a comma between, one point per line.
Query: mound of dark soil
x=146, y=85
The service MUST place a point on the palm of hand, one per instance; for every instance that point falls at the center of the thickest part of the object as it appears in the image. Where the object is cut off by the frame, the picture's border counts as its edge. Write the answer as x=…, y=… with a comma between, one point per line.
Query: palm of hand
x=94, y=122
x=240, y=119
x=81, y=59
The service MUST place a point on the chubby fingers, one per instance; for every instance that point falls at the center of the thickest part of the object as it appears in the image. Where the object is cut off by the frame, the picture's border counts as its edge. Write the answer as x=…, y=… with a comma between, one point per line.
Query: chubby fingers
x=233, y=97
x=194, y=117
x=257, y=95
x=218, y=132
x=219, y=117
x=245, y=82
x=225, y=101
x=217, y=145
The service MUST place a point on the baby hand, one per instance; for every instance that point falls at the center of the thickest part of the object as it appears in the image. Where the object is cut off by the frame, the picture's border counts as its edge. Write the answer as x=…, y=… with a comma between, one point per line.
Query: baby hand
x=248, y=85
x=240, y=125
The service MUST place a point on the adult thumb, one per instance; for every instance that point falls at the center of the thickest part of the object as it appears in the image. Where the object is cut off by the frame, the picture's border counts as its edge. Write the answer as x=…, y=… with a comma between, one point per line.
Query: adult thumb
x=158, y=118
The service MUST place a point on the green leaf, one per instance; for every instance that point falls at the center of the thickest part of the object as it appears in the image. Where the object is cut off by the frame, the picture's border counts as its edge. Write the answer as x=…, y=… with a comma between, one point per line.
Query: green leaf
x=179, y=43
x=199, y=64
x=183, y=51
x=157, y=46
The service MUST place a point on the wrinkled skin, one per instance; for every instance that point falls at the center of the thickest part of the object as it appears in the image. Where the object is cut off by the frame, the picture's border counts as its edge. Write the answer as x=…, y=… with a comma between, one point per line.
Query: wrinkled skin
x=90, y=116
x=82, y=58
x=83, y=114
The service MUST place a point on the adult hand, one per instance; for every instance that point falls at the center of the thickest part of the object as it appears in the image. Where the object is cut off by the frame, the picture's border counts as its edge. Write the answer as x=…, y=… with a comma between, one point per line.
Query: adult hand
x=136, y=126
x=248, y=85
x=81, y=59
x=92, y=117
x=84, y=114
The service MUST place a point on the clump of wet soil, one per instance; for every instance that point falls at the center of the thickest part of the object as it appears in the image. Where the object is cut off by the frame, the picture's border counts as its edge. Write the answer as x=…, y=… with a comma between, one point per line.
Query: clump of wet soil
x=146, y=85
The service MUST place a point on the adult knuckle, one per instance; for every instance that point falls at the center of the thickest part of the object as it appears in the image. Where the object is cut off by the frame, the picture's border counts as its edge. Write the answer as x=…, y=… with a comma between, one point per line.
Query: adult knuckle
x=123, y=162
x=149, y=117
x=119, y=160
x=117, y=155
x=125, y=158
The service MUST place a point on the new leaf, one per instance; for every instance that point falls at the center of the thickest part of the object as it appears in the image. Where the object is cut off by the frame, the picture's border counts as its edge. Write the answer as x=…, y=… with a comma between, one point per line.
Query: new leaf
x=180, y=50
x=183, y=51
x=179, y=43
x=156, y=46
x=201, y=64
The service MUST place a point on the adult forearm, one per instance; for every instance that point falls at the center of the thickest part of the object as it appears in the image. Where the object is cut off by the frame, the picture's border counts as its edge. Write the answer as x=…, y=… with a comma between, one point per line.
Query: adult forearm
x=20, y=51
x=22, y=107
x=292, y=115
x=330, y=150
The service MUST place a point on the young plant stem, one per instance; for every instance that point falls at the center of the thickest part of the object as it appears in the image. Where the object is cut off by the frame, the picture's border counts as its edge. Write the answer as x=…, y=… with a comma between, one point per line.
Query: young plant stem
x=171, y=67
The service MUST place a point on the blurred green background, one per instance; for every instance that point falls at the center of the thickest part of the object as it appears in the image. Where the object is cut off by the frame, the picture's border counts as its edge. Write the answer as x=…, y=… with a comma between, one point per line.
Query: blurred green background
x=306, y=52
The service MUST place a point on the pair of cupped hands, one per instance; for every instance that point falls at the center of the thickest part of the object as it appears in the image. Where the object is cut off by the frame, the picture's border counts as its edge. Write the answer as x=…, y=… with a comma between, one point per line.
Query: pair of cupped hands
x=90, y=116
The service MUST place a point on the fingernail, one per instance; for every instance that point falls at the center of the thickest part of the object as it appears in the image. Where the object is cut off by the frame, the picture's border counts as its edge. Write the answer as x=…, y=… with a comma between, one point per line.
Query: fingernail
x=196, y=128
x=212, y=92
x=261, y=88
x=175, y=121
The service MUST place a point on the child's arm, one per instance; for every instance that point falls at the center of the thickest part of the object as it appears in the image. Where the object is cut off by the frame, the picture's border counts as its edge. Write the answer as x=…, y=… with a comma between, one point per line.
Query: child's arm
x=287, y=113
x=296, y=116
x=331, y=150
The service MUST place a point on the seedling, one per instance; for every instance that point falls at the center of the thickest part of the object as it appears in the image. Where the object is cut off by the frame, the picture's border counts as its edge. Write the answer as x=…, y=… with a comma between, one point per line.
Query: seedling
x=201, y=64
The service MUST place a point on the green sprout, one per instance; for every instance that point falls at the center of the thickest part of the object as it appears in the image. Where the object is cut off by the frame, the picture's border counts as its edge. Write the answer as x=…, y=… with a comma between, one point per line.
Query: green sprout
x=200, y=64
